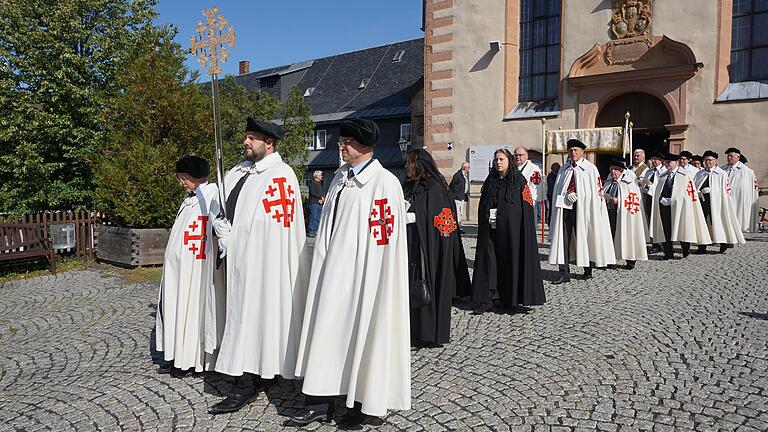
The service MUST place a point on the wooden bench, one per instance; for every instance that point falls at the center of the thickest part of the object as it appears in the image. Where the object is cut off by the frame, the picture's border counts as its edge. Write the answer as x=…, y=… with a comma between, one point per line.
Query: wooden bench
x=25, y=240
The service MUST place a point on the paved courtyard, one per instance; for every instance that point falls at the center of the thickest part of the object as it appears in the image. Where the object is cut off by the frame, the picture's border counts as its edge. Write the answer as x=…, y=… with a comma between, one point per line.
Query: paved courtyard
x=672, y=345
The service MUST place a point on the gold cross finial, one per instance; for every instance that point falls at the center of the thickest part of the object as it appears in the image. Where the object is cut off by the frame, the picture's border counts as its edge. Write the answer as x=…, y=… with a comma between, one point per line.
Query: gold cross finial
x=211, y=51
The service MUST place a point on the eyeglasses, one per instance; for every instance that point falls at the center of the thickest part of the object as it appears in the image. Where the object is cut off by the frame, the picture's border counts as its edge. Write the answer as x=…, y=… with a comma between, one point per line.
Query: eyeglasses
x=518, y=155
x=345, y=142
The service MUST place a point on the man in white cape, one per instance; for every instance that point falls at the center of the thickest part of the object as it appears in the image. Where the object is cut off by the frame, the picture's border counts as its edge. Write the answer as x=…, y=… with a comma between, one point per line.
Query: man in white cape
x=676, y=215
x=686, y=158
x=625, y=209
x=267, y=267
x=535, y=178
x=715, y=192
x=579, y=216
x=647, y=186
x=355, y=339
x=190, y=307
x=744, y=189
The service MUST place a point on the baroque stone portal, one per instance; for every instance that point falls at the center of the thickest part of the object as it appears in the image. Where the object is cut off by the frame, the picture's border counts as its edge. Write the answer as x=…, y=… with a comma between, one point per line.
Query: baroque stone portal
x=631, y=18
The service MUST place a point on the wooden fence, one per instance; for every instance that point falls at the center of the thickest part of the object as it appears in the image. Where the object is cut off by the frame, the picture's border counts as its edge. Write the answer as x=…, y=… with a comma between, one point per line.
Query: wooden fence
x=71, y=232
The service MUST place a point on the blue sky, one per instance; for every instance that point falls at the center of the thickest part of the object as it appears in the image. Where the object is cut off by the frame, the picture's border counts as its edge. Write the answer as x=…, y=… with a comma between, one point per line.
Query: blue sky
x=274, y=33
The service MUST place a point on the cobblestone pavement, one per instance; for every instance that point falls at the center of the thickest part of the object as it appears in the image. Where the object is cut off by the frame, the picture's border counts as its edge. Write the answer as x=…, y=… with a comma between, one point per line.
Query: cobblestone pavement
x=672, y=345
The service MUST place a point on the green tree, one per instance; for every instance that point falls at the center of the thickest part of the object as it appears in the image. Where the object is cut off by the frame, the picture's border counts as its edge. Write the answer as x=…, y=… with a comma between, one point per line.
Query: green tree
x=159, y=116
x=298, y=124
x=58, y=66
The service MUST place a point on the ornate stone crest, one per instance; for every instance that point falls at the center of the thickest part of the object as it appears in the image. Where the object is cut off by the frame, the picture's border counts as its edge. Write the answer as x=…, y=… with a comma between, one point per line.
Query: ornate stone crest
x=631, y=18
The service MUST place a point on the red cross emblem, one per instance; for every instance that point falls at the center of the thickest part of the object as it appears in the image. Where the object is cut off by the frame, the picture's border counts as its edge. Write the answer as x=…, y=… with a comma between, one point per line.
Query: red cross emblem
x=691, y=191
x=445, y=222
x=728, y=187
x=600, y=188
x=632, y=203
x=283, y=204
x=190, y=236
x=536, y=178
x=382, y=221
x=527, y=197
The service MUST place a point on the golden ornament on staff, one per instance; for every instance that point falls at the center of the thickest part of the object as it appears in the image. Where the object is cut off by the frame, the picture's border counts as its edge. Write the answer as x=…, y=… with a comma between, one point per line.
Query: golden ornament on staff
x=209, y=52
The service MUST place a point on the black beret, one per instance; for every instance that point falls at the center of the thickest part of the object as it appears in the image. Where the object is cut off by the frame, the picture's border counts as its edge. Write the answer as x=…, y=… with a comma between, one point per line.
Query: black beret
x=742, y=158
x=195, y=166
x=686, y=154
x=364, y=131
x=619, y=163
x=699, y=158
x=671, y=157
x=575, y=143
x=709, y=153
x=267, y=128
x=733, y=150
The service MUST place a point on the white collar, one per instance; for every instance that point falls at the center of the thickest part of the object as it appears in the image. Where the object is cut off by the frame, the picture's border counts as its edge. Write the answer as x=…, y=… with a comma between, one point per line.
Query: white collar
x=267, y=162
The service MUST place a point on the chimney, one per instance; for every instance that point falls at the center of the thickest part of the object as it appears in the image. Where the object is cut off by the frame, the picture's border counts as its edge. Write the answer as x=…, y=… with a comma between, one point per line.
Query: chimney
x=245, y=67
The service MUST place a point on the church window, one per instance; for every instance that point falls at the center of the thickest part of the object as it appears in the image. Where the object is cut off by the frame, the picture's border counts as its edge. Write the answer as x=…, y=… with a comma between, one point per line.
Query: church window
x=539, y=50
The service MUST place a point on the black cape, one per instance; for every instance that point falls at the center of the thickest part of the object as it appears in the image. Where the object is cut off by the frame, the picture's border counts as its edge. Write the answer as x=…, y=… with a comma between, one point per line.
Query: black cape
x=446, y=266
x=507, y=258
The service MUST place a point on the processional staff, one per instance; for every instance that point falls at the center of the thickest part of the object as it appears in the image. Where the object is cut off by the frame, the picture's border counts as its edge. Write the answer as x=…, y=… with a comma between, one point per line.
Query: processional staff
x=210, y=52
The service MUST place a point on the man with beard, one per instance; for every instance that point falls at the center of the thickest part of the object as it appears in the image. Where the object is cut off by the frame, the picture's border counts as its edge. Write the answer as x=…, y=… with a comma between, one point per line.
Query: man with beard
x=715, y=189
x=579, y=215
x=263, y=241
x=355, y=335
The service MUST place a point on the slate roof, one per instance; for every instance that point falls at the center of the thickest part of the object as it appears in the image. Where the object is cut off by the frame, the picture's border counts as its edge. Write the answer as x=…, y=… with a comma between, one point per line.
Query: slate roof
x=394, y=72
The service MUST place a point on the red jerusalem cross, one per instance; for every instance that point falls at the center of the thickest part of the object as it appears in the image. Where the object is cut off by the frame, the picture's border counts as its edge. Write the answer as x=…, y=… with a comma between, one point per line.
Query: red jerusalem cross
x=445, y=222
x=632, y=203
x=691, y=191
x=284, y=203
x=728, y=187
x=600, y=188
x=536, y=178
x=757, y=186
x=190, y=236
x=383, y=219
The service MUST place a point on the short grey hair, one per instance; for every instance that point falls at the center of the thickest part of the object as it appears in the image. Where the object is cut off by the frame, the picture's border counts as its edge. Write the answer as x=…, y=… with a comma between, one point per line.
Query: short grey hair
x=642, y=152
x=317, y=173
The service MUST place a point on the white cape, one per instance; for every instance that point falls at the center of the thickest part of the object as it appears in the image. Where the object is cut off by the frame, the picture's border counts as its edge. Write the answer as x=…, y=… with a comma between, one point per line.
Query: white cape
x=631, y=227
x=724, y=226
x=189, y=320
x=593, y=229
x=535, y=178
x=744, y=195
x=688, y=224
x=355, y=340
x=267, y=266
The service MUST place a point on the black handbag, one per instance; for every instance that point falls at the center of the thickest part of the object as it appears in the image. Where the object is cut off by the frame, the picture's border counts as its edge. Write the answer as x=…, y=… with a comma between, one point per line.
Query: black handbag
x=418, y=291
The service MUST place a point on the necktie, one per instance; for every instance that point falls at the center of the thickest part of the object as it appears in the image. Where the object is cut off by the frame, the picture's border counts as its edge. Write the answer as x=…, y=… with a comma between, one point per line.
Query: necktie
x=572, y=184
x=653, y=174
x=233, y=195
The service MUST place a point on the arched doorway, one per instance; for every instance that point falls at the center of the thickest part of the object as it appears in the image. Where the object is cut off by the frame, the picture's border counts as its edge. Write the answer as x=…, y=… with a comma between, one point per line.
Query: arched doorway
x=648, y=114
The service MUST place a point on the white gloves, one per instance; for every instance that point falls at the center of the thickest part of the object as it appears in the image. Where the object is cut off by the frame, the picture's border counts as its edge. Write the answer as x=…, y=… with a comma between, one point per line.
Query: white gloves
x=666, y=202
x=223, y=228
x=571, y=198
x=706, y=190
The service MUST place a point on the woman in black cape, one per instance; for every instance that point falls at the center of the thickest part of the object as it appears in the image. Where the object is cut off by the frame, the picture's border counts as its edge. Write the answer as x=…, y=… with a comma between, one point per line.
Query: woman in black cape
x=507, y=255
x=434, y=234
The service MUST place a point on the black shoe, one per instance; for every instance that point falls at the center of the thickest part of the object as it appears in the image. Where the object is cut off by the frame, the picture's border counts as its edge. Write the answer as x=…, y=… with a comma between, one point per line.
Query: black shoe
x=179, y=373
x=356, y=420
x=686, y=252
x=587, y=273
x=309, y=416
x=654, y=248
x=561, y=280
x=629, y=265
x=232, y=403
x=724, y=247
x=700, y=250
x=669, y=256
x=165, y=368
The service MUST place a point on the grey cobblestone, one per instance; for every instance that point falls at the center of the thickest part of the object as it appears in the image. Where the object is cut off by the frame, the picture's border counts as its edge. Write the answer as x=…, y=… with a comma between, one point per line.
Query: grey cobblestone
x=672, y=345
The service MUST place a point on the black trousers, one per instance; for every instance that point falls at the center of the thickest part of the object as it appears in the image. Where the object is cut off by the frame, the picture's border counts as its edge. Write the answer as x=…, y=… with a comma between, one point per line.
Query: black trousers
x=569, y=228
x=666, y=224
x=247, y=384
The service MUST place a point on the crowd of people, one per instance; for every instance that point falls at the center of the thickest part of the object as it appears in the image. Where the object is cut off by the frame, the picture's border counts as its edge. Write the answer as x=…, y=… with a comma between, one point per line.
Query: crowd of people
x=244, y=294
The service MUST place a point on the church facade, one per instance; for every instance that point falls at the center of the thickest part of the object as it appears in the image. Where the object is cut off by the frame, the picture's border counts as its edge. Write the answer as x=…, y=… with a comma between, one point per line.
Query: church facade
x=692, y=73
